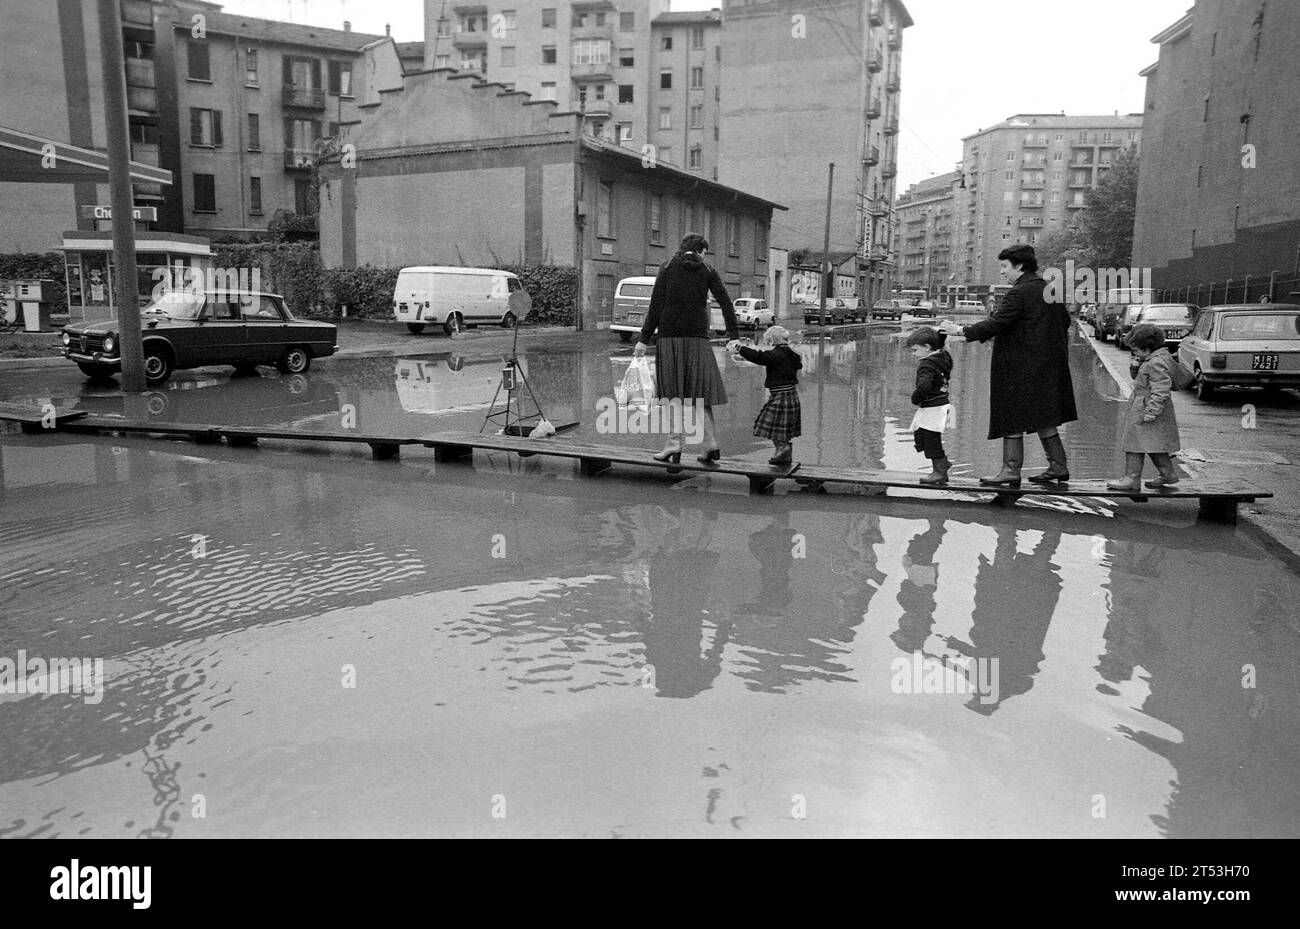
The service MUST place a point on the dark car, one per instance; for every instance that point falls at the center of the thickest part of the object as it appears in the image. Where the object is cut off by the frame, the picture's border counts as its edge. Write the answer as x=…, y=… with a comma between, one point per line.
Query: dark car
x=185, y=329
x=887, y=309
x=835, y=314
x=1175, y=319
x=1106, y=320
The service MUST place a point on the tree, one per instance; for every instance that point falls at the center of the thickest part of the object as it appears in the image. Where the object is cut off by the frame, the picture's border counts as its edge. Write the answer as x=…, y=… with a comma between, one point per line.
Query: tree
x=1069, y=243
x=1105, y=230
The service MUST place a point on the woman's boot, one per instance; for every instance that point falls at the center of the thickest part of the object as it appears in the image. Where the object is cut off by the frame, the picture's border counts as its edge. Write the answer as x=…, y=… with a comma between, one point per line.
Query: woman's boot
x=1132, y=479
x=1013, y=456
x=1057, y=470
x=940, y=473
x=1168, y=473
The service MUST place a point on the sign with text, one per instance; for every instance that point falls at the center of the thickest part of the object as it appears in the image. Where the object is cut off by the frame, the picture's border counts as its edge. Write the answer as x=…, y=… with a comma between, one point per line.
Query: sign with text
x=148, y=214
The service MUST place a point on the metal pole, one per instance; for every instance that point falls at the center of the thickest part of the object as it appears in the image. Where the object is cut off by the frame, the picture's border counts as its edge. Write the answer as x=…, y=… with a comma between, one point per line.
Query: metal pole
x=826, y=241
x=119, y=176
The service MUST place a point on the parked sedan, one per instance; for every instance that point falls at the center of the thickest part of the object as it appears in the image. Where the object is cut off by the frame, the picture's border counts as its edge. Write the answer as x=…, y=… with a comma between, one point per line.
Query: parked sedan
x=1174, y=318
x=1244, y=345
x=185, y=329
x=752, y=312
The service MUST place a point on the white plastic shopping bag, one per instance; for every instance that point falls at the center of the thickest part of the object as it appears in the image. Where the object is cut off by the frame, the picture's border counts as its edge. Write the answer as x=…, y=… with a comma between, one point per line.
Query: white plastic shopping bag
x=638, y=388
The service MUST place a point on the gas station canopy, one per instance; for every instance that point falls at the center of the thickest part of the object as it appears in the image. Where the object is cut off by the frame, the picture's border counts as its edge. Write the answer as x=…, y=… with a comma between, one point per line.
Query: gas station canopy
x=26, y=158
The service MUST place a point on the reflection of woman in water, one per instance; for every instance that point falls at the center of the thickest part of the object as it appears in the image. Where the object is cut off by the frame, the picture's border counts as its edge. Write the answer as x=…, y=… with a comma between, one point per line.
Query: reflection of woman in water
x=773, y=547
x=1015, y=597
x=916, y=592
x=681, y=575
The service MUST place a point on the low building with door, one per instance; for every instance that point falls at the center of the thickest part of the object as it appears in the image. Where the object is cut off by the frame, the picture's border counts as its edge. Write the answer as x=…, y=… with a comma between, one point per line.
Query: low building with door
x=453, y=170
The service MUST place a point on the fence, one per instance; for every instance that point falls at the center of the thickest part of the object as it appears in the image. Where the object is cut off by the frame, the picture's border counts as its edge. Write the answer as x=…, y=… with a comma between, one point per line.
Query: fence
x=1276, y=287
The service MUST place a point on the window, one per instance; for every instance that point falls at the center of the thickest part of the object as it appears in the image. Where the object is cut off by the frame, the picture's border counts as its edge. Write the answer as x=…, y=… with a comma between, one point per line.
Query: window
x=255, y=195
x=605, y=210
x=1060, y=136
x=1056, y=196
x=548, y=17
x=205, y=128
x=1011, y=175
x=733, y=235
x=473, y=61
x=666, y=42
x=507, y=56
x=600, y=91
x=626, y=22
x=548, y=54
x=710, y=224
x=697, y=37
x=697, y=76
x=626, y=58
x=760, y=241
x=1056, y=156
x=1011, y=156
x=1198, y=174
x=624, y=132
x=473, y=23
x=600, y=19
x=579, y=19
x=507, y=19
x=624, y=93
x=1007, y=196
x=656, y=218
x=548, y=90
x=254, y=132
x=665, y=80
x=665, y=117
x=205, y=193
x=304, y=197
x=590, y=52
x=695, y=156
x=200, y=66
x=1205, y=117
x=697, y=116
x=340, y=78
x=444, y=29
x=1214, y=43
x=442, y=61
x=250, y=67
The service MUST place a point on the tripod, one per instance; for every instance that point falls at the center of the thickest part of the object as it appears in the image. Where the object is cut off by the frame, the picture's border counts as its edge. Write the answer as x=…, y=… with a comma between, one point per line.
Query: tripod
x=511, y=416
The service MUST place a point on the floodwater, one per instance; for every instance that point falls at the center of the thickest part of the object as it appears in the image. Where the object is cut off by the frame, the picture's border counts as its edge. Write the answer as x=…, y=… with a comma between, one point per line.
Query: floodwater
x=299, y=641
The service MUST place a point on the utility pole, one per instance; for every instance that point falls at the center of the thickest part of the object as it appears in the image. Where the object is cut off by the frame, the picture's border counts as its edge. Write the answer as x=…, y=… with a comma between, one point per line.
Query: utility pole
x=119, y=176
x=826, y=240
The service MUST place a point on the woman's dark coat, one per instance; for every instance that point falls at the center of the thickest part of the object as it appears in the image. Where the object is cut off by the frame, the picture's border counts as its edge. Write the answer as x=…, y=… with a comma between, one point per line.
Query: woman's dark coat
x=1029, y=382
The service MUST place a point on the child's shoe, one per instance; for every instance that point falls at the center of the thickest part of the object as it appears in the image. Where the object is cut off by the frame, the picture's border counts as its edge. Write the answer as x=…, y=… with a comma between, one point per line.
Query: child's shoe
x=940, y=473
x=784, y=456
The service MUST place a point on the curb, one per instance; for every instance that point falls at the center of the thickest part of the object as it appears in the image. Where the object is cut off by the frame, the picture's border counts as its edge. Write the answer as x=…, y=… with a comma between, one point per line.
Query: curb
x=17, y=364
x=1121, y=378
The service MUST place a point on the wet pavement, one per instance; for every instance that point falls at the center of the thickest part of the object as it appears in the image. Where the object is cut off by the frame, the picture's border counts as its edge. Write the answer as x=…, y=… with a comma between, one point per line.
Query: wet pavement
x=298, y=641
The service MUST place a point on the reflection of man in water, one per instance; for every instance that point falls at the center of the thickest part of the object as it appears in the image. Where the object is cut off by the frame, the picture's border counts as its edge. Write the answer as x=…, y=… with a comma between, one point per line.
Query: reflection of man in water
x=1015, y=597
x=916, y=592
x=681, y=575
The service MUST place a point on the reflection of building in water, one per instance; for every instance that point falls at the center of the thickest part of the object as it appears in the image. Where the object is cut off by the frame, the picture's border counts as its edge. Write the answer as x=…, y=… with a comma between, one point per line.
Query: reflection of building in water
x=1187, y=639
x=1015, y=597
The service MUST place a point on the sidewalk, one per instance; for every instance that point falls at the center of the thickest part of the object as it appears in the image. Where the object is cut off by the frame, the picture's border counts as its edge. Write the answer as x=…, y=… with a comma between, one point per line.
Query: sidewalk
x=1239, y=435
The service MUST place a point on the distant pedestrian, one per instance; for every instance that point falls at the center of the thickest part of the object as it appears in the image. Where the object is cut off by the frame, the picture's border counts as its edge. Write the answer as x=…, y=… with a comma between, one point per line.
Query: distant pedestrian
x=1150, y=427
x=781, y=418
x=1029, y=386
x=930, y=397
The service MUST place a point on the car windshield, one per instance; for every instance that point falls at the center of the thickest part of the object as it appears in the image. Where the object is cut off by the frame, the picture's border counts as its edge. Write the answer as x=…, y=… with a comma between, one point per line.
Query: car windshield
x=1243, y=328
x=636, y=290
x=1167, y=314
x=177, y=304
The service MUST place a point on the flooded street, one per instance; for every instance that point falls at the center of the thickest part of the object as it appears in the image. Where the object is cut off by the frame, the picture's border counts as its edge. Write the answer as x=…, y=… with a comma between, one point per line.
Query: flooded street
x=297, y=641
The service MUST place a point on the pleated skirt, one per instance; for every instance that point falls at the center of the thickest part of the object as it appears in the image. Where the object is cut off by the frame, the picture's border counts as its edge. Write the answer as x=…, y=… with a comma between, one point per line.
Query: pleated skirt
x=685, y=369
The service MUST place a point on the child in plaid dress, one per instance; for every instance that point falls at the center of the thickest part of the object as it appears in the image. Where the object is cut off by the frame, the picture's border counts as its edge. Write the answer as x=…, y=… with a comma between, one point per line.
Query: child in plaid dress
x=780, y=418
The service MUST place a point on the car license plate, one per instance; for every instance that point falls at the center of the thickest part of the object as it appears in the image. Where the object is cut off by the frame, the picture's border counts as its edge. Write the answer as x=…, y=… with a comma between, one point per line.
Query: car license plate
x=1175, y=333
x=1264, y=363
x=636, y=317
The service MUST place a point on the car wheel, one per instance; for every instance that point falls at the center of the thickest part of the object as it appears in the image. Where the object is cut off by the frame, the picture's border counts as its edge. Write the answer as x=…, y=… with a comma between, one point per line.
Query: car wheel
x=625, y=336
x=1204, y=389
x=158, y=365
x=94, y=371
x=295, y=360
x=454, y=324
x=508, y=321
x=416, y=328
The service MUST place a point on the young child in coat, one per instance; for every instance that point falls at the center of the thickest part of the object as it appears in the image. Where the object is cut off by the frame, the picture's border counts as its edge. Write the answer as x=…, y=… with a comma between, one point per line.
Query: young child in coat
x=780, y=418
x=1151, y=428
x=933, y=369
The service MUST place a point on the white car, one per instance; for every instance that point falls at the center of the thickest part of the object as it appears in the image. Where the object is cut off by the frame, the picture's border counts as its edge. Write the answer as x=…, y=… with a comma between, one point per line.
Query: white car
x=755, y=313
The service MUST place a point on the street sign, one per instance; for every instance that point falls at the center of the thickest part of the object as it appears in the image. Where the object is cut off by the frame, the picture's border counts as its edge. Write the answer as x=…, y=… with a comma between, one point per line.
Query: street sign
x=148, y=214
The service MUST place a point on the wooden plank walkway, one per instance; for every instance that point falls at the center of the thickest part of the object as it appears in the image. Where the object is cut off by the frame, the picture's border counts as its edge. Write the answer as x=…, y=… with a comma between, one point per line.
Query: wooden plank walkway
x=1218, y=500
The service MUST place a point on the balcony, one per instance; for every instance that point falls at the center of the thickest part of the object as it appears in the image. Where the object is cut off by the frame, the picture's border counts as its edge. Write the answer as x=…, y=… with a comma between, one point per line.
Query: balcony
x=137, y=20
x=594, y=108
x=1031, y=185
x=308, y=98
x=872, y=157
x=1084, y=181
x=1032, y=204
x=469, y=40
x=893, y=82
x=142, y=100
x=299, y=159
x=579, y=33
x=895, y=38
x=891, y=125
x=1031, y=221
x=146, y=154
x=1035, y=142
x=875, y=61
x=877, y=206
x=889, y=168
x=593, y=71
x=873, y=108
x=1076, y=205
x=470, y=9
x=876, y=15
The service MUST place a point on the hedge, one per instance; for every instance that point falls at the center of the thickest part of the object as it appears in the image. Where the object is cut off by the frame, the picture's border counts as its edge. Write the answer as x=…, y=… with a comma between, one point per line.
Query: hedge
x=34, y=265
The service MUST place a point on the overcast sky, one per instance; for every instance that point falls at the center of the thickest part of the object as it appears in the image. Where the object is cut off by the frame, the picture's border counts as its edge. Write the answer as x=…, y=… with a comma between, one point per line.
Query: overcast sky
x=966, y=63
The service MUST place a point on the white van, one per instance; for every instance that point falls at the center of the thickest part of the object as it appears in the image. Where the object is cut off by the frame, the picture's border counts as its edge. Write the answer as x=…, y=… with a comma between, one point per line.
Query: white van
x=455, y=297
x=631, y=304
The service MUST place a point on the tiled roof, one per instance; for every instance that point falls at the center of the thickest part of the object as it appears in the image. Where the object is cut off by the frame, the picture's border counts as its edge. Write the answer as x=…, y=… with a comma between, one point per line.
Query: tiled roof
x=274, y=31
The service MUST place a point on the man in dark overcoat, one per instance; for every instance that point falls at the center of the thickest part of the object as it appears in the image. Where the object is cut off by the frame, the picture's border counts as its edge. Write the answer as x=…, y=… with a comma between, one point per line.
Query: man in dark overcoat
x=1029, y=386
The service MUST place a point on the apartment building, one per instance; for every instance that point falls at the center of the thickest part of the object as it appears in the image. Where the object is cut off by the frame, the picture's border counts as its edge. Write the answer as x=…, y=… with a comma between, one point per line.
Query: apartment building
x=1219, y=179
x=804, y=88
x=590, y=56
x=925, y=213
x=1028, y=175
x=685, y=87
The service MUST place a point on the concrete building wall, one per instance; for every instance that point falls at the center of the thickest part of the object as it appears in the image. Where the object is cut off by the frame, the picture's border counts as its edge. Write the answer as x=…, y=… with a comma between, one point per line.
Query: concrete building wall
x=1222, y=81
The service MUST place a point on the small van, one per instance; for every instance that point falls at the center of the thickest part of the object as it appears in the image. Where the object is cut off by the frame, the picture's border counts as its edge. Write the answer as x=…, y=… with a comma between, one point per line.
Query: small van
x=455, y=297
x=631, y=304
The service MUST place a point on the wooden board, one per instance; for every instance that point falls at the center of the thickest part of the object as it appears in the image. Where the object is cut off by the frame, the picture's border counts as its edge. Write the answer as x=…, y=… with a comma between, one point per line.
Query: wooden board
x=34, y=416
x=608, y=454
x=814, y=474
